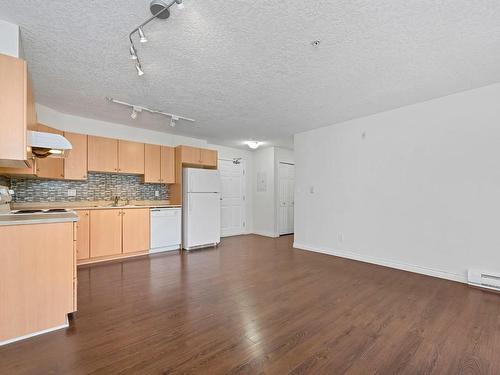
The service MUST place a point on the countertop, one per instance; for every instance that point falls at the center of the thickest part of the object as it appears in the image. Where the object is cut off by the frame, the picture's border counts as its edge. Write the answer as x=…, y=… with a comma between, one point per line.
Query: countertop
x=94, y=205
x=24, y=219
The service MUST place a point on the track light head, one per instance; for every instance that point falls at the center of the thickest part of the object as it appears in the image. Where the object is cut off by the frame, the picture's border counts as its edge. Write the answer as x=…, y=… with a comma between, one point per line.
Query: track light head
x=133, y=53
x=173, y=119
x=142, y=36
x=138, y=67
x=135, y=112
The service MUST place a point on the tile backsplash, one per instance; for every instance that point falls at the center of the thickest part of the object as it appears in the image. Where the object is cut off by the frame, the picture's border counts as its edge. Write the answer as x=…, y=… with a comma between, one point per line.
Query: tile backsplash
x=4, y=181
x=100, y=186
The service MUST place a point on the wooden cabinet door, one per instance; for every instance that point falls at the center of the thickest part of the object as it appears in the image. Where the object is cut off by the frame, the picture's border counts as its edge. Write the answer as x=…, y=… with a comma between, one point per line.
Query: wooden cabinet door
x=190, y=155
x=167, y=165
x=52, y=168
x=102, y=154
x=131, y=157
x=13, y=86
x=208, y=157
x=152, y=163
x=83, y=235
x=135, y=230
x=75, y=164
x=105, y=232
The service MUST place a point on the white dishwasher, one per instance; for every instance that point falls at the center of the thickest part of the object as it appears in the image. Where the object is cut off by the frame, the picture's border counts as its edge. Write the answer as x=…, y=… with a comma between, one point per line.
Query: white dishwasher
x=166, y=229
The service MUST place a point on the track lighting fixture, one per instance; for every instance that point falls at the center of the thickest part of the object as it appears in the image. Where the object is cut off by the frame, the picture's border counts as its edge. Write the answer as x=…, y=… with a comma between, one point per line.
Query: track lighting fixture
x=136, y=109
x=160, y=10
x=173, y=119
x=138, y=67
x=133, y=53
x=142, y=36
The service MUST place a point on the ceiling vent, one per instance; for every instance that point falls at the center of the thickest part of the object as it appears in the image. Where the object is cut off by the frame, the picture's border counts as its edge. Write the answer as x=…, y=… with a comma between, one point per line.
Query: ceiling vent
x=486, y=280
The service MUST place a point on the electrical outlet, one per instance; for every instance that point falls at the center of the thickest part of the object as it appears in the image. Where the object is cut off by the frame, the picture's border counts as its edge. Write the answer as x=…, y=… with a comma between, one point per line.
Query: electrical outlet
x=71, y=192
x=157, y=193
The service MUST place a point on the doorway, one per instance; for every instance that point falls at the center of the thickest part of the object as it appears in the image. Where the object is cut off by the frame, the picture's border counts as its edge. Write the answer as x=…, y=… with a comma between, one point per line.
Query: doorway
x=286, y=176
x=232, y=173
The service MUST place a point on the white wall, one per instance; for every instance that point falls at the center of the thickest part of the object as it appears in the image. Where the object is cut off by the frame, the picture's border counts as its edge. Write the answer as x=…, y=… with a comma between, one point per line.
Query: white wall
x=419, y=191
x=83, y=125
x=264, y=214
x=266, y=162
x=9, y=39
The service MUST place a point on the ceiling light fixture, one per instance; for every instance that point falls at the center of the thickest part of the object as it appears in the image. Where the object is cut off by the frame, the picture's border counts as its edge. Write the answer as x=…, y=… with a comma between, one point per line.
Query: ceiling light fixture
x=160, y=10
x=142, y=36
x=138, y=67
x=253, y=144
x=136, y=109
x=133, y=53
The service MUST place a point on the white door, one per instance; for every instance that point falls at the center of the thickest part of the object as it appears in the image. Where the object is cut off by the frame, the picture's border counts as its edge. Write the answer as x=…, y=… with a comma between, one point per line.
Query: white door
x=233, y=198
x=286, y=197
x=202, y=219
x=202, y=180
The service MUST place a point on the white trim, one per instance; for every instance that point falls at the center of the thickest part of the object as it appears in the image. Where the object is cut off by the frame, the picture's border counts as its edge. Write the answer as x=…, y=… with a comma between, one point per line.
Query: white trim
x=265, y=233
x=462, y=278
x=9, y=341
x=165, y=248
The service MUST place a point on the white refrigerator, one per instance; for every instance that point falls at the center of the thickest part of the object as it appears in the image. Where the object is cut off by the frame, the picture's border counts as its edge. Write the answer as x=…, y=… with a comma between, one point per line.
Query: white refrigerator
x=201, y=208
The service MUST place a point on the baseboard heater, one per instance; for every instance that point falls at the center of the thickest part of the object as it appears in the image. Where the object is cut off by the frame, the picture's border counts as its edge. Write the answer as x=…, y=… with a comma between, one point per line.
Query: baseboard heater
x=486, y=280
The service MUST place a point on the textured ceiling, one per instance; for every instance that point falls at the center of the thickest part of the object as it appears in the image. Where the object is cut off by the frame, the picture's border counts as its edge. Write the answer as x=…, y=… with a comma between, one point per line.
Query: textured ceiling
x=246, y=69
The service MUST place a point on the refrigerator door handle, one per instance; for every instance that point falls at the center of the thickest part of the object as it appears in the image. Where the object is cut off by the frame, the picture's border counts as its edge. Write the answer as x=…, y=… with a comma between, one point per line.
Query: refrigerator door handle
x=189, y=203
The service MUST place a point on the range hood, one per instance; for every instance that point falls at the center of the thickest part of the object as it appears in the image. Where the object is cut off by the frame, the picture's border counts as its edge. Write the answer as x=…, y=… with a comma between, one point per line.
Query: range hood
x=51, y=145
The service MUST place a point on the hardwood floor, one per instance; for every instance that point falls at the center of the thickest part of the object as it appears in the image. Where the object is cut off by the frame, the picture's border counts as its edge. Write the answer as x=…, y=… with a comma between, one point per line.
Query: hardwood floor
x=255, y=305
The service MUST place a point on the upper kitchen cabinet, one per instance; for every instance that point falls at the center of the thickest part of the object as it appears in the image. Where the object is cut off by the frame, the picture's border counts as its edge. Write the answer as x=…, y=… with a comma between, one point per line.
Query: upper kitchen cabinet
x=167, y=165
x=52, y=168
x=75, y=164
x=152, y=163
x=17, y=112
x=130, y=157
x=208, y=157
x=159, y=164
x=102, y=154
x=198, y=156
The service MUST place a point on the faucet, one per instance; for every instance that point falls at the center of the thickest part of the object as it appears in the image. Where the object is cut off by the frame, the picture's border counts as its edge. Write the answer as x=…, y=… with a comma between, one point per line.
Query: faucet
x=116, y=200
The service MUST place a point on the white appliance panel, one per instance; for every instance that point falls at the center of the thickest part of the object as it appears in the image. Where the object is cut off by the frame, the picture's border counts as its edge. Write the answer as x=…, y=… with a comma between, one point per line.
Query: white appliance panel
x=201, y=219
x=202, y=180
x=166, y=229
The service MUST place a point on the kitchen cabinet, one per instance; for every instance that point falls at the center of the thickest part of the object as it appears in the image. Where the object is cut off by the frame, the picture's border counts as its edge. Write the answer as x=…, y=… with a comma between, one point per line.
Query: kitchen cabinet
x=105, y=232
x=83, y=235
x=37, y=278
x=208, y=157
x=159, y=164
x=152, y=163
x=102, y=154
x=136, y=231
x=190, y=155
x=130, y=157
x=16, y=112
x=167, y=165
x=52, y=168
x=198, y=156
x=75, y=164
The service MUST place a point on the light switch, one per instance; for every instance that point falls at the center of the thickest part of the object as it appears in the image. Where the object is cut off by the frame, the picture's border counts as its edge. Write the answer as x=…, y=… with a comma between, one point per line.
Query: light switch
x=157, y=193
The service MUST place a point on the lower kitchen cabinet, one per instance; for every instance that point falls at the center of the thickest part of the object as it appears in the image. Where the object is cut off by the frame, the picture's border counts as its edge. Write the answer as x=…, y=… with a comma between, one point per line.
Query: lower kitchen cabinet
x=135, y=230
x=83, y=235
x=105, y=232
